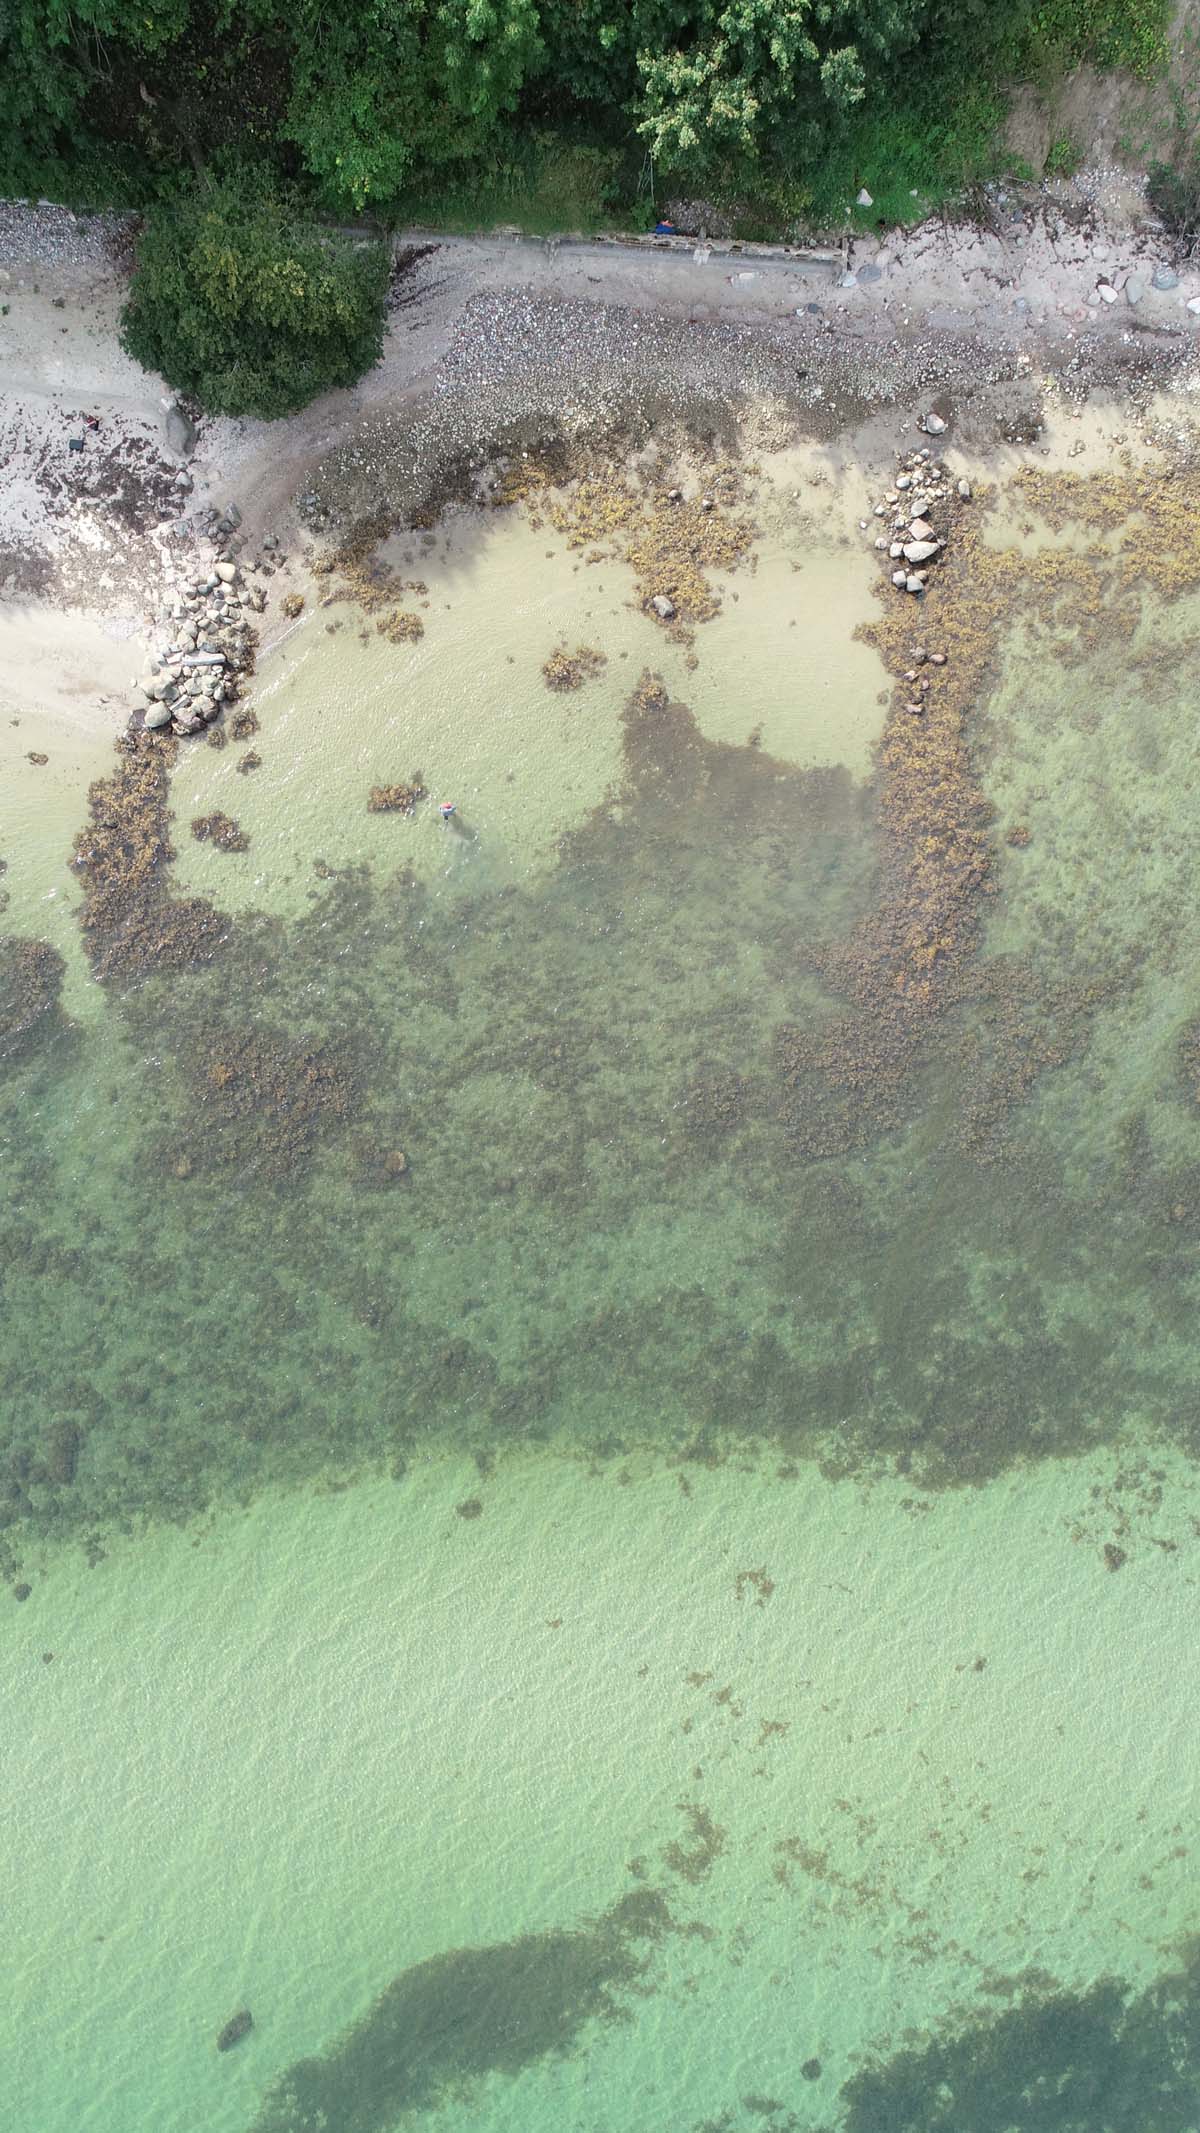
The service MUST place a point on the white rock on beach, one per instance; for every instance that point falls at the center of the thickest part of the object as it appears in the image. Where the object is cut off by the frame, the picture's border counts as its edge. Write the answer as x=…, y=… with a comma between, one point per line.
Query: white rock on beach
x=934, y=425
x=180, y=431
x=920, y=551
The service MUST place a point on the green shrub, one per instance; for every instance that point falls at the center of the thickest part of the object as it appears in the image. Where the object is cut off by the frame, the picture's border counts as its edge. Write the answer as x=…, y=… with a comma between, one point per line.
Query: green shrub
x=1174, y=193
x=1063, y=158
x=241, y=303
x=1110, y=33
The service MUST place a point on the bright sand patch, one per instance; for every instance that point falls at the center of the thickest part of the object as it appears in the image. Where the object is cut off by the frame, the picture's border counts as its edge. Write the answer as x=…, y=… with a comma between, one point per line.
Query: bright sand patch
x=64, y=694
x=277, y=1761
x=467, y=705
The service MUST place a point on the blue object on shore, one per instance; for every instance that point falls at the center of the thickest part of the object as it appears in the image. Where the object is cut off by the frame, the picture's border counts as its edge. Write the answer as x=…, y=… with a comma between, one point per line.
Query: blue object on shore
x=665, y=229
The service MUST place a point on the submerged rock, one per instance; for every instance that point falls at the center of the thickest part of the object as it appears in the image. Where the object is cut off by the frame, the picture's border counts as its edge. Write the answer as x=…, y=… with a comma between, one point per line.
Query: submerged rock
x=237, y=2027
x=396, y=799
x=62, y=1451
x=221, y=830
x=663, y=606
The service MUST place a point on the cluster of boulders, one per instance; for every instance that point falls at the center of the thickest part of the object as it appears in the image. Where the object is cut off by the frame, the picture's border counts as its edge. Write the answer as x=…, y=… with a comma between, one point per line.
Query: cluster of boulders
x=204, y=641
x=915, y=501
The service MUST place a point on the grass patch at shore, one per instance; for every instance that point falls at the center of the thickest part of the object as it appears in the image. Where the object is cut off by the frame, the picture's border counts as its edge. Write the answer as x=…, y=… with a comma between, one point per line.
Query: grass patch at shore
x=543, y=187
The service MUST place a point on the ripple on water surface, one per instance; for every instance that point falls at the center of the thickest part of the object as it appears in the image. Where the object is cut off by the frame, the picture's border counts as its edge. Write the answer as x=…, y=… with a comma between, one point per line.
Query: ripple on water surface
x=487, y=1821
x=718, y=1198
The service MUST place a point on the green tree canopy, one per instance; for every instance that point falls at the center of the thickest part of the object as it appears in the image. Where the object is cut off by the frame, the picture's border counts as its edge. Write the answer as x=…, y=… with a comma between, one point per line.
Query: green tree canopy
x=376, y=104
x=748, y=68
x=395, y=86
x=239, y=302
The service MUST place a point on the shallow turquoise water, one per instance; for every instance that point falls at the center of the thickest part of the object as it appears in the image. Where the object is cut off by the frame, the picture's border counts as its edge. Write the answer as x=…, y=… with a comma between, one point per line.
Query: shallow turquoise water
x=673, y=1606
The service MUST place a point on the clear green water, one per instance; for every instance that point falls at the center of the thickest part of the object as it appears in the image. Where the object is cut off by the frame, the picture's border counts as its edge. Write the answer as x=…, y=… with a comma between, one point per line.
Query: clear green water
x=611, y=1627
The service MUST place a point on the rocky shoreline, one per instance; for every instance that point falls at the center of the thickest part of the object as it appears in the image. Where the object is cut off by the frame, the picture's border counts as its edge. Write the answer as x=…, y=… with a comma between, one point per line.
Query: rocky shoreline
x=204, y=644
x=920, y=489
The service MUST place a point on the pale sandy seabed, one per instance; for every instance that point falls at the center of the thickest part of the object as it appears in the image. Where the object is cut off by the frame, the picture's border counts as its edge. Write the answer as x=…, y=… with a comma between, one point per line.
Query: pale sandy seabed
x=280, y=1760
x=890, y=1751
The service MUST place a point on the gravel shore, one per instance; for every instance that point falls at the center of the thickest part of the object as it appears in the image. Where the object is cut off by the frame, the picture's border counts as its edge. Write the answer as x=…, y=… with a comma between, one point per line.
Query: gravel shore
x=500, y=342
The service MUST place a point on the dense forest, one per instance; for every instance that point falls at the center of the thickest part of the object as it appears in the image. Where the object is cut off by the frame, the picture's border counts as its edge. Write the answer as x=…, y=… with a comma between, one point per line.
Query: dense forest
x=574, y=110
x=245, y=135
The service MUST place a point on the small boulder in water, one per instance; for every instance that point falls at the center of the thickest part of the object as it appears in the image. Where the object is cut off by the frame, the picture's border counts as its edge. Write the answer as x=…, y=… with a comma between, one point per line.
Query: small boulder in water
x=237, y=2027
x=62, y=1451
